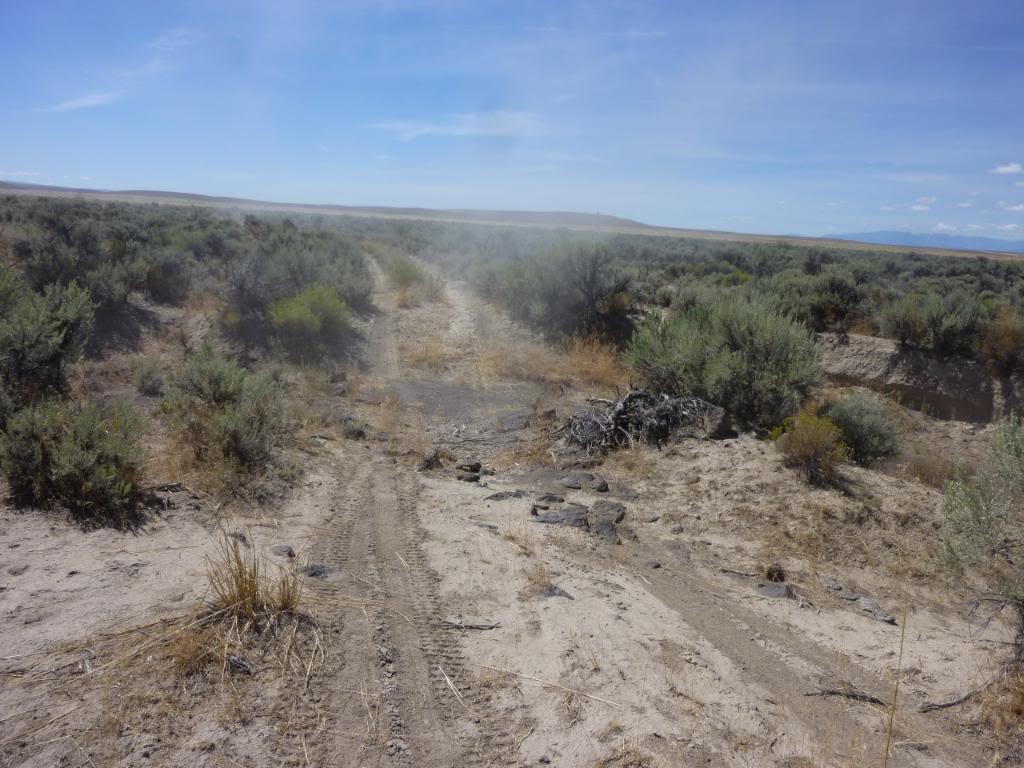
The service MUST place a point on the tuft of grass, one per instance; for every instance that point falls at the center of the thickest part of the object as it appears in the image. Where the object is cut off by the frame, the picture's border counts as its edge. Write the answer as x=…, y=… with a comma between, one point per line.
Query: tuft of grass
x=147, y=377
x=240, y=586
x=812, y=445
x=934, y=470
x=427, y=353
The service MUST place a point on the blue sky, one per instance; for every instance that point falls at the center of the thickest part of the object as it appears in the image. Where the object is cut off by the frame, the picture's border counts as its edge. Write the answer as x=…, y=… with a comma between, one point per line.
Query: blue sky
x=776, y=117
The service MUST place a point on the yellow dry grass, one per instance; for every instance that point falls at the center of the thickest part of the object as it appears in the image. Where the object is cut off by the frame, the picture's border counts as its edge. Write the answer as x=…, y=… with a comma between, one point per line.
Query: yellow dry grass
x=580, y=363
x=427, y=353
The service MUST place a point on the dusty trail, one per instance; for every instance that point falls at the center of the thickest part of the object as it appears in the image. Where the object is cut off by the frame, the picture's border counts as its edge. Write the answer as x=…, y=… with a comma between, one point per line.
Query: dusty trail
x=389, y=691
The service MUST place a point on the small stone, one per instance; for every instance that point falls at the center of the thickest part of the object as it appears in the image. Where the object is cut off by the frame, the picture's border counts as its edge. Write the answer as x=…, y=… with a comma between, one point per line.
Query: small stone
x=502, y=495
x=471, y=467
x=316, y=571
x=283, y=550
x=468, y=477
x=550, y=498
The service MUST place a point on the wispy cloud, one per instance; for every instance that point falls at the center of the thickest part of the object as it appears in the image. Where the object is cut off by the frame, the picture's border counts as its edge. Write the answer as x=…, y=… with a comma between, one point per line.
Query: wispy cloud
x=83, y=102
x=1009, y=227
x=1009, y=169
x=1016, y=207
x=965, y=205
x=929, y=200
x=18, y=174
x=942, y=227
x=173, y=39
x=920, y=207
x=498, y=123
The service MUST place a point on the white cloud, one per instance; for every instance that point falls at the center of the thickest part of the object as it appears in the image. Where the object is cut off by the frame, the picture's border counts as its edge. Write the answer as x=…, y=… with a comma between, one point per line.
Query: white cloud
x=83, y=102
x=835, y=203
x=1009, y=227
x=18, y=174
x=940, y=227
x=927, y=200
x=887, y=208
x=1009, y=169
x=919, y=207
x=1016, y=207
x=965, y=205
x=497, y=123
x=976, y=226
x=174, y=39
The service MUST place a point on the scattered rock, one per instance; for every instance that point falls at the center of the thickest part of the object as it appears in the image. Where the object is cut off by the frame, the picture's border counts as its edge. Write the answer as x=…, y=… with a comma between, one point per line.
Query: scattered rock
x=514, y=422
x=395, y=746
x=282, y=550
x=468, y=477
x=434, y=460
x=550, y=498
x=874, y=610
x=624, y=492
x=502, y=495
x=865, y=603
x=578, y=481
x=603, y=518
x=472, y=467
x=316, y=571
x=553, y=591
x=17, y=570
x=776, y=589
x=654, y=564
x=238, y=664
x=572, y=515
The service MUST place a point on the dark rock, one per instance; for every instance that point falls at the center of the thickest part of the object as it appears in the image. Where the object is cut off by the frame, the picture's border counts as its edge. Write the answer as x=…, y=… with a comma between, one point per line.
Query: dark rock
x=553, y=591
x=550, y=498
x=283, y=550
x=238, y=664
x=469, y=466
x=240, y=538
x=578, y=481
x=316, y=571
x=17, y=570
x=549, y=415
x=395, y=746
x=351, y=427
x=776, y=590
x=468, y=477
x=603, y=519
x=502, y=495
x=514, y=422
x=572, y=515
x=624, y=492
x=654, y=564
x=874, y=610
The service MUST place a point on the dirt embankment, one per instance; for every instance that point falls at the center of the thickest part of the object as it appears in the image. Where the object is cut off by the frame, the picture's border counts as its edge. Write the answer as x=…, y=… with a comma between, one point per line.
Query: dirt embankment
x=953, y=388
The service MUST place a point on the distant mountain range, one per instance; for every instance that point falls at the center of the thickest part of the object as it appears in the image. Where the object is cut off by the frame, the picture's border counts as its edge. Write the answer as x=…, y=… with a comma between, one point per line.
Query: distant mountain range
x=917, y=240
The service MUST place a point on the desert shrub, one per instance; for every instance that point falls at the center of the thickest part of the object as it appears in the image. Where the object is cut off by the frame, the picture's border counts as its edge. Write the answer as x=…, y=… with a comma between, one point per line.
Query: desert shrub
x=402, y=271
x=866, y=427
x=949, y=326
x=984, y=517
x=40, y=336
x=813, y=445
x=224, y=411
x=1002, y=344
x=147, y=377
x=743, y=355
x=84, y=457
x=168, y=278
x=310, y=324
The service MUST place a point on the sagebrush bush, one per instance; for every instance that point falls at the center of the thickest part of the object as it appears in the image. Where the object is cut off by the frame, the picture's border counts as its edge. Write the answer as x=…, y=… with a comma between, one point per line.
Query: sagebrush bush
x=223, y=411
x=40, y=337
x=743, y=355
x=949, y=325
x=1002, y=344
x=813, y=446
x=310, y=324
x=147, y=376
x=168, y=277
x=984, y=517
x=83, y=457
x=867, y=427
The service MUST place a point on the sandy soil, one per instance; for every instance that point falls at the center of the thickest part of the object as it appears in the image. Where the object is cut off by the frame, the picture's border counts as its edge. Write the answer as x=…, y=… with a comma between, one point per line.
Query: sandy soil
x=658, y=650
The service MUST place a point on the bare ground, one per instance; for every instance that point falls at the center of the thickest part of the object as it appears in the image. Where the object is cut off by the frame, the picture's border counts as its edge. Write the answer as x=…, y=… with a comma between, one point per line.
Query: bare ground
x=659, y=650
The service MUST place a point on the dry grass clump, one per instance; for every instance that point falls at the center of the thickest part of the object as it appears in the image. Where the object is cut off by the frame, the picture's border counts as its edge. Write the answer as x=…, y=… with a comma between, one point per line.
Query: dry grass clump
x=628, y=756
x=581, y=363
x=427, y=353
x=936, y=471
x=240, y=587
x=813, y=446
x=1003, y=711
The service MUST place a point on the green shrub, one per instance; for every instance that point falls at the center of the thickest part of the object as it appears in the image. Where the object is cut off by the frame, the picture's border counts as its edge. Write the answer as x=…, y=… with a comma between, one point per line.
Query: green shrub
x=1002, y=344
x=223, y=411
x=310, y=324
x=813, y=446
x=402, y=271
x=84, y=457
x=147, y=377
x=168, y=278
x=984, y=517
x=866, y=427
x=743, y=355
x=40, y=336
x=949, y=326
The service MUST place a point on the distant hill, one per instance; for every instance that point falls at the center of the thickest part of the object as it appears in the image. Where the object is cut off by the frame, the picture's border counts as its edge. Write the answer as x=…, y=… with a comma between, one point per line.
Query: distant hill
x=568, y=219
x=893, y=242
x=917, y=240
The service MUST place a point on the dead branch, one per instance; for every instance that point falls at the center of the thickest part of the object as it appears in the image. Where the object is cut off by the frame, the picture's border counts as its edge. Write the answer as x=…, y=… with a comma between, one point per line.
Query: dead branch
x=848, y=693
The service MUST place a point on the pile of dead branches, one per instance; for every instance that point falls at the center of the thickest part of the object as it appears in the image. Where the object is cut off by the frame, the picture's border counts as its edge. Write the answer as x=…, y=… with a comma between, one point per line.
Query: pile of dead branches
x=639, y=416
